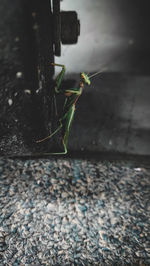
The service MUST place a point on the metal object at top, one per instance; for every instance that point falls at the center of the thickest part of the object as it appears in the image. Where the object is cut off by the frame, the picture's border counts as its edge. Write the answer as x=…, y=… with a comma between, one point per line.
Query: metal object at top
x=66, y=27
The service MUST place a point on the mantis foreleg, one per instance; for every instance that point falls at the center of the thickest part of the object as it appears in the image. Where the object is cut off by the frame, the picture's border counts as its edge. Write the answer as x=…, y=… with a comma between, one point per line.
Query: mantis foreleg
x=60, y=77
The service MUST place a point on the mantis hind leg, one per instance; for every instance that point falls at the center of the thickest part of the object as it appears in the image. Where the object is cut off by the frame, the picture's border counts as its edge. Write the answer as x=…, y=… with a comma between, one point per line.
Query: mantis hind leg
x=51, y=135
x=48, y=137
x=63, y=152
x=65, y=123
x=68, y=122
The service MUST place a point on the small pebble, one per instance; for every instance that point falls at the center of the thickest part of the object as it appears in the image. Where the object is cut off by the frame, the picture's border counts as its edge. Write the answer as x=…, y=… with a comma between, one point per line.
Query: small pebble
x=19, y=75
x=27, y=91
x=10, y=102
x=64, y=195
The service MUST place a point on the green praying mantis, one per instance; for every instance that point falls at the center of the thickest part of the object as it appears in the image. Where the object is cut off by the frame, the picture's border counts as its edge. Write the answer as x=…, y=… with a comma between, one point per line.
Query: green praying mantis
x=72, y=95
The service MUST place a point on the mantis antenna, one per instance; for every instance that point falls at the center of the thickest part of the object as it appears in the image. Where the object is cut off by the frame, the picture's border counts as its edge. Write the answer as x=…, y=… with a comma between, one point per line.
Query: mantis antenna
x=99, y=72
x=105, y=65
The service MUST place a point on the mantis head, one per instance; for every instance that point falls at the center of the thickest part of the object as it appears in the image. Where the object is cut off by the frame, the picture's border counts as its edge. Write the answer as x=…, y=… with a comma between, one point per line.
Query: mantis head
x=85, y=78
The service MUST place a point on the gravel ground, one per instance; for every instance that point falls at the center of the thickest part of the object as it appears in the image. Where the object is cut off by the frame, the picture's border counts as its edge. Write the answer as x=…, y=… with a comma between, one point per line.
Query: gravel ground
x=74, y=212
